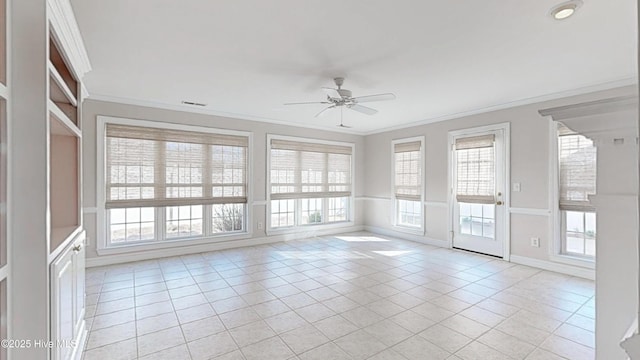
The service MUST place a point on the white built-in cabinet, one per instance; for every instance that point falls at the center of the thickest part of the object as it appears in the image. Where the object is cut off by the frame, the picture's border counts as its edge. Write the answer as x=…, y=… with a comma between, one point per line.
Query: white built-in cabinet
x=67, y=237
x=67, y=300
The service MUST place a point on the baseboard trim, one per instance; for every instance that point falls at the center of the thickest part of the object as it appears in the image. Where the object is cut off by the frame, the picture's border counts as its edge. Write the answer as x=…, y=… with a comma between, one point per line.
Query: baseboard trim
x=585, y=273
x=105, y=260
x=406, y=236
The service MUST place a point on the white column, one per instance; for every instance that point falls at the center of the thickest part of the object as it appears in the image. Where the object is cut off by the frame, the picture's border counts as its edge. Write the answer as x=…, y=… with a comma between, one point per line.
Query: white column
x=29, y=174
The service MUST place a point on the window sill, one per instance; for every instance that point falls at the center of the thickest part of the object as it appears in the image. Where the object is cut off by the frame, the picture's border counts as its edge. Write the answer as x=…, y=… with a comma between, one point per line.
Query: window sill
x=308, y=228
x=408, y=230
x=574, y=261
x=167, y=244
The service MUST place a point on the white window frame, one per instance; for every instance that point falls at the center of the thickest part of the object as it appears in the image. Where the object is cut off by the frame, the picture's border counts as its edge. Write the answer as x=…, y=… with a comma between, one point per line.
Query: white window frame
x=556, y=252
x=394, y=201
x=297, y=227
x=103, y=246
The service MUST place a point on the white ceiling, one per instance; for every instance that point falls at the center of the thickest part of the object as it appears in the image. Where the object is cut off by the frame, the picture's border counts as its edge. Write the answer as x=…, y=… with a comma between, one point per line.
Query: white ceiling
x=246, y=58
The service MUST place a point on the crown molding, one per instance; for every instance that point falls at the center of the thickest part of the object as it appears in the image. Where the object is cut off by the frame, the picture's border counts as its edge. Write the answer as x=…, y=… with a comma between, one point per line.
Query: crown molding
x=67, y=33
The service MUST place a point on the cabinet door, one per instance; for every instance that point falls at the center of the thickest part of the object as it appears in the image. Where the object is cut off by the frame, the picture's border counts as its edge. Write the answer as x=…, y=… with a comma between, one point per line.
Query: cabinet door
x=78, y=265
x=62, y=299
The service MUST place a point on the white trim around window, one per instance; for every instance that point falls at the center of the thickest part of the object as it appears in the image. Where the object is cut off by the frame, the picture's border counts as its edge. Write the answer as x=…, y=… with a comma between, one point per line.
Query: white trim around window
x=103, y=246
x=297, y=227
x=416, y=230
x=555, y=229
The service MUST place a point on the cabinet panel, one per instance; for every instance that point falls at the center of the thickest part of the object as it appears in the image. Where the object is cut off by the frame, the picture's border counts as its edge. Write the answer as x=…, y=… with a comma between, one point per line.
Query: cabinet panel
x=62, y=296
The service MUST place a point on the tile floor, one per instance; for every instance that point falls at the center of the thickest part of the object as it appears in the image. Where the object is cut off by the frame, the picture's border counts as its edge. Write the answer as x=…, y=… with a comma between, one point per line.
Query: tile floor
x=352, y=296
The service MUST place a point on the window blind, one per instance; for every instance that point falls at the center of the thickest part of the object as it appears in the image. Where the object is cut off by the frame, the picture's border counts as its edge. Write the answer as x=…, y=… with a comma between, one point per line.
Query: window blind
x=577, y=170
x=475, y=167
x=309, y=170
x=151, y=167
x=408, y=171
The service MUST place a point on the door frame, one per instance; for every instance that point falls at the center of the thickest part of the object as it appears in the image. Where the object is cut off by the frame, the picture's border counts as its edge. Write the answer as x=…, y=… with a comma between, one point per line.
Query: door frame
x=506, y=226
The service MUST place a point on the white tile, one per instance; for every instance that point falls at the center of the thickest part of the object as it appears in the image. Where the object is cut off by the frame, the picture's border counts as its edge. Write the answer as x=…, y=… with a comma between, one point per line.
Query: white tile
x=465, y=326
x=229, y=304
x=153, y=309
x=576, y=334
x=189, y=301
x=160, y=340
x=335, y=327
x=567, y=348
x=114, y=318
x=325, y=352
x=202, y=328
x=482, y=316
x=111, y=335
x=297, y=301
x=416, y=347
x=113, y=306
x=123, y=350
x=286, y=321
x=445, y=338
x=251, y=333
x=315, y=312
x=195, y=313
x=304, y=339
x=388, y=332
x=360, y=344
x=270, y=308
x=388, y=354
x=180, y=352
x=479, y=351
x=523, y=331
x=412, y=321
x=361, y=316
x=239, y=317
x=155, y=323
x=212, y=346
x=272, y=349
x=152, y=298
x=506, y=344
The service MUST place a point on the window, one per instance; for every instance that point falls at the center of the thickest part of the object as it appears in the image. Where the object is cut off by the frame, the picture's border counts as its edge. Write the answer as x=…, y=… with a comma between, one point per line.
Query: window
x=309, y=182
x=407, y=185
x=475, y=185
x=577, y=180
x=166, y=184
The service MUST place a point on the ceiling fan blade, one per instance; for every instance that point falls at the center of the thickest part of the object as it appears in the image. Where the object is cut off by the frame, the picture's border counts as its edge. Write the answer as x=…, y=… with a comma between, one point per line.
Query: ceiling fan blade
x=332, y=93
x=377, y=97
x=323, y=110
x=344, y=126
x=308, y=102
x=363, y=109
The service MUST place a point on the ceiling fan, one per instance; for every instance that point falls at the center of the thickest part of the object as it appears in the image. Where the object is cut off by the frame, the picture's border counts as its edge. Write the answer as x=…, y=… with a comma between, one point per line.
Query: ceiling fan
x=343, y=98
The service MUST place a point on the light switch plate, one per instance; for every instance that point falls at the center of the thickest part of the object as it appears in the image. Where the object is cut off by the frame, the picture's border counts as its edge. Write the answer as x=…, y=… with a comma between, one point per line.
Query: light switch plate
x=516, y=187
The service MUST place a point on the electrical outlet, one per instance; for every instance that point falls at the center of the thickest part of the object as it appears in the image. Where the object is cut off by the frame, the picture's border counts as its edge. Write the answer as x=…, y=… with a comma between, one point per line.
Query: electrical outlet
x=535, y=242
x=259, y=225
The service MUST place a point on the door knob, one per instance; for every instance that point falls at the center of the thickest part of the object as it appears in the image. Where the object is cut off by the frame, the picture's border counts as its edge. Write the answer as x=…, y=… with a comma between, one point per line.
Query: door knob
x=498, y=202
x=77, y=248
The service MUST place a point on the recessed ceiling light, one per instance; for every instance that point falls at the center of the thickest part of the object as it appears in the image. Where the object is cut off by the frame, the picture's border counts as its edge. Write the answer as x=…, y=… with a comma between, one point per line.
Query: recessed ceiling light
x=565, y=10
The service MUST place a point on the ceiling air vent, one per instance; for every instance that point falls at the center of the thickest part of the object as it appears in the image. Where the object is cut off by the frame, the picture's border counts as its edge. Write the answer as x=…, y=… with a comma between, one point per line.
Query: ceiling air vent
x=193, y=103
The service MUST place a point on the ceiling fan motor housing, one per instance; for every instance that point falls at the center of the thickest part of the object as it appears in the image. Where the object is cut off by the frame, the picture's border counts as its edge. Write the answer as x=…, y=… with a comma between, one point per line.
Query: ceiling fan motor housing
x=344, y=93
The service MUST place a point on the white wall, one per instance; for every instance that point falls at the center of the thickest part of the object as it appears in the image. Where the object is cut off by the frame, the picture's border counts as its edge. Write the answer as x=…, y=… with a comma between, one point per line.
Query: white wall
x=530, y=166
x=91, y=109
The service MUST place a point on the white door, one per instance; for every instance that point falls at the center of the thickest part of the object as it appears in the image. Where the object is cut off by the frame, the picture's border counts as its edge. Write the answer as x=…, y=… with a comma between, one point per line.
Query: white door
x=478, y=191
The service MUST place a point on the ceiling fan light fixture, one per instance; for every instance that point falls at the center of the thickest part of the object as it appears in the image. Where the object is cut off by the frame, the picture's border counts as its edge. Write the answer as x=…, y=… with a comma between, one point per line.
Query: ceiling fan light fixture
x=565, y=10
